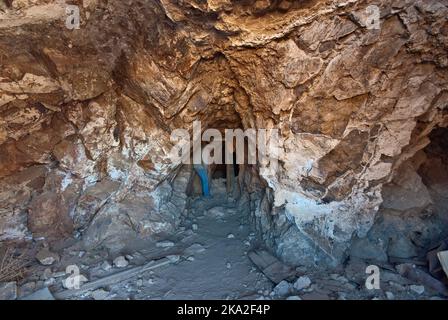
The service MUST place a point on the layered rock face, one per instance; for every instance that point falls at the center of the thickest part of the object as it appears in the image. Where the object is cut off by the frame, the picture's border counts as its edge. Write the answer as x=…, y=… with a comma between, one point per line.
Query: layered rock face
x=86, y=116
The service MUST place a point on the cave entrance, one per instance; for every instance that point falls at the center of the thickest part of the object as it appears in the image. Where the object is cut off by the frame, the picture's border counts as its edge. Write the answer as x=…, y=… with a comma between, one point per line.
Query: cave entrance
x=207, y=180
x=228, y=172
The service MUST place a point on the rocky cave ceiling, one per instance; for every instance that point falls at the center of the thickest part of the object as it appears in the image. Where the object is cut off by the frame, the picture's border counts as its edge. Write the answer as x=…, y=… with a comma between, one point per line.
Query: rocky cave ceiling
x=86, y=114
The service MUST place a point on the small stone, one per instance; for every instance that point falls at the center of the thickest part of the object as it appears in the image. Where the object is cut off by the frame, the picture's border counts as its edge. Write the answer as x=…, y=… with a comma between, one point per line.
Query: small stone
x=81, y=254
x=42, y=294
x=8, y=290
x=397, y=286
x=342, y=296
x=50, y=282
x=191, y=259
x=217, y=212
x=302, y=283
x=27, y=288
x=106, y=266
x=139, y=282
x=338, y=277
x=194, y=226
x=293, y=298
x=194, y=249
x=173, y=258
x=315, y=296
x=165, y=244
x=129, y=257
x=228, y=265
x=46, y=257
x=120, y=262
x=230, y=236
x=59, y=274
x=47, y=274
x=100, y=294
x=282, y=289
x=417, y=289
x=390, y=295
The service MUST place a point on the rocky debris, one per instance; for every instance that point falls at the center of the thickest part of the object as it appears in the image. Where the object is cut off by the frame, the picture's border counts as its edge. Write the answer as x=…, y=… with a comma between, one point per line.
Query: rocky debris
x=121, y=262
x=50, y=282
x=42, y=294
x=99, y=294
x=46, y=257
x=26, y=289
x=135, y=217
x=338, y=277
x=59, y=274
x=216, y=212
x=165, y=244
x=195, y=248
x=106, y=266
x=415, y=274
x=8, y=290
x=390, y=295
x=48, y=273
x=113, y=278
x=173, y=258
x=271, y=267
x=315, y=296
x=302, y=283
x=282, y=289
x=230, y=236
x=417, y=288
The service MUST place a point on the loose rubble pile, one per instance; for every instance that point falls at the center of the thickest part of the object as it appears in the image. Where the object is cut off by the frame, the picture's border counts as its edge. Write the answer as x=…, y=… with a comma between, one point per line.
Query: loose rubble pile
x=184, y=265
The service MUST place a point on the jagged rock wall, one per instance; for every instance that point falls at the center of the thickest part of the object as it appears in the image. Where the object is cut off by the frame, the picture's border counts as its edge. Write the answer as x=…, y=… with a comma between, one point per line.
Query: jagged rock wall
x=86, y=114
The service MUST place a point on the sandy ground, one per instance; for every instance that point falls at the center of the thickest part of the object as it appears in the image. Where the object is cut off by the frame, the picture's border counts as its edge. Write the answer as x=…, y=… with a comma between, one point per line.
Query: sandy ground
x=221, y=271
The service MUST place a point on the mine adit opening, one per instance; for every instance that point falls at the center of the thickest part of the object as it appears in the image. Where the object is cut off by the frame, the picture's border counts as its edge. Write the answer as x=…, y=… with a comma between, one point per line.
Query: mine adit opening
x=204, y=178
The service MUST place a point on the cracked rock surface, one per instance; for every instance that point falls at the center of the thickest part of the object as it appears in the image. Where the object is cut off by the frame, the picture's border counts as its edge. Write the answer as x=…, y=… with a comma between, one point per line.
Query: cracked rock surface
x=86, y=116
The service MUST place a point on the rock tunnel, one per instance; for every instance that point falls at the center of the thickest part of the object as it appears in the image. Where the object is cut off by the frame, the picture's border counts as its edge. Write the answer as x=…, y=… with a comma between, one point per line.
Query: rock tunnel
x=88, y=111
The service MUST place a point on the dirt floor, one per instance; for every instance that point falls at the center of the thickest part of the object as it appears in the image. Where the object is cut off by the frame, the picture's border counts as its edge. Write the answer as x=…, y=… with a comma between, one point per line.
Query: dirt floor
x=206, y=259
